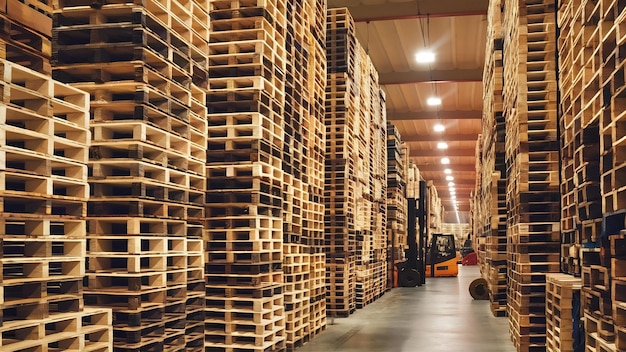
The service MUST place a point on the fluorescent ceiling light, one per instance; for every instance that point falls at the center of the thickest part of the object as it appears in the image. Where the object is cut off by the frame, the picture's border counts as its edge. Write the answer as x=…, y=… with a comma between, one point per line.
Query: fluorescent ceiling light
x=445, y=161
x=449, y=178
x=433, y=101
x=442, y=145
x=447, y=171
x=439, y=128
x=425, y=57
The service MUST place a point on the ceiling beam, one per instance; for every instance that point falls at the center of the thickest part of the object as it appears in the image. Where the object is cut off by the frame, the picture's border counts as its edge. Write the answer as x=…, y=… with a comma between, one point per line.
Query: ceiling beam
x=440, y=167
x=412, y=77
x=436, y=138
x=442, y=186
x=450, y=153
x=434, y=115
x=408, y=10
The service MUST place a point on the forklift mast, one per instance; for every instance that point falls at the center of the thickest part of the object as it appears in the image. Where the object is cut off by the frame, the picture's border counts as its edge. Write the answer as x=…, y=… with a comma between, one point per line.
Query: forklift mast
x=412, y=272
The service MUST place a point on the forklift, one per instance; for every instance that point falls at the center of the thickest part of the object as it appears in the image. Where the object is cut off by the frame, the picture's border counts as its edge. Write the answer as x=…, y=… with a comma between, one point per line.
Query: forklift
x=442, y=259
x=441, y=251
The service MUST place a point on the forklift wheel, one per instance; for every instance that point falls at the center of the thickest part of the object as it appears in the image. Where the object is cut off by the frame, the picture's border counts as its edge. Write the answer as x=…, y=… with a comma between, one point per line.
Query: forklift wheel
x=409, y=278
x=479, y=289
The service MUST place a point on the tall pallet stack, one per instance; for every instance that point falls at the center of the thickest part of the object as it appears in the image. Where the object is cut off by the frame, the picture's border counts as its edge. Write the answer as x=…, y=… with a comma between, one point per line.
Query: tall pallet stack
x=435, y=210
x=355, y=171
x=340, y=168
x=314, y=225
x=372, y=271
x=592, y=102
x=244, y=231
x=43, y=197
x=145, y=68
x=478, y=214
x=396, y=198
x=314, y=139
x=532, y=159
x=581, y=86
x=371, y=186
x=492, y=168
x=303, y=166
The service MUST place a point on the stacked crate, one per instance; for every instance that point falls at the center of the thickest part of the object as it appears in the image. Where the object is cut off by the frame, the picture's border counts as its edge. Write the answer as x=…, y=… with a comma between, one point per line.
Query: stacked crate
x=532, y=160
x=562, y=312
x=396, y=198
x=43, y=198
x=244, y=198
x=145, y=68
x=25, y=33
x=355, y=171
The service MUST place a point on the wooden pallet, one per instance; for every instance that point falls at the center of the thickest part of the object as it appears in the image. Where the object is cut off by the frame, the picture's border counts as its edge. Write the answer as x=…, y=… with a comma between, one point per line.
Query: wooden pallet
x=559, y=314
x=89, y=330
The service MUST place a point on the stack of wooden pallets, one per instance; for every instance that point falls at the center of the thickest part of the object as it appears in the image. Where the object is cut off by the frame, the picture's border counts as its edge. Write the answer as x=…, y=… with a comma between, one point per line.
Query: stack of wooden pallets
x=396, y=198
x=617, y=250
x=355, y=171
x=435, y=210
x=562, y=312
x=315, y=139
x=340, y=168
x=532, y=160
x=145, y=68
x=490, y=193
x=592, y=89
x=581, y=106
x=43, y=203
x=245, y=177
x=371, y=186
x=25, y=33
x=303, y=166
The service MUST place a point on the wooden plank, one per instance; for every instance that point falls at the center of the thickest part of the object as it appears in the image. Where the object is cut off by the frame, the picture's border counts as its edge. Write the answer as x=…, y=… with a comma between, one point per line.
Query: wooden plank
x=32, y=13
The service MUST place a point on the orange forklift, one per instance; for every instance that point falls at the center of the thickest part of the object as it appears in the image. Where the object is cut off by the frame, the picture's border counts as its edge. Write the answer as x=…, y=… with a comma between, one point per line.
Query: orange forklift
x=442, y=258
x=441, y=251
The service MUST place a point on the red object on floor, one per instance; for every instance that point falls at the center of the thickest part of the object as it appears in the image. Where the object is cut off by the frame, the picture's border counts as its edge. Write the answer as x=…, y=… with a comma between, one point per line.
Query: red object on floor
x=470, y=259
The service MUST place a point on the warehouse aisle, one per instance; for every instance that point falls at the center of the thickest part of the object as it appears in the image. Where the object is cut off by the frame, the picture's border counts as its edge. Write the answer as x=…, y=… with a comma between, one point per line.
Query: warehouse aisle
x=440, y=316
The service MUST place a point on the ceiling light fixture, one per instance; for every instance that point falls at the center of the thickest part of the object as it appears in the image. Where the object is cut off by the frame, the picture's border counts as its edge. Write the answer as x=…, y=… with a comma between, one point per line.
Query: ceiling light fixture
x=433, y=101
x=439, y=128
x=450, y=184
x=447, y=171
x=445, y=161
x=442, y=145
x=449, y=178
x=425, y=57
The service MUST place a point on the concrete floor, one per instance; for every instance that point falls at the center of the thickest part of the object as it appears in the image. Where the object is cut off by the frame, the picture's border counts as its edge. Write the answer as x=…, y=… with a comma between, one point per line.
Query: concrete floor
x=439, y=316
